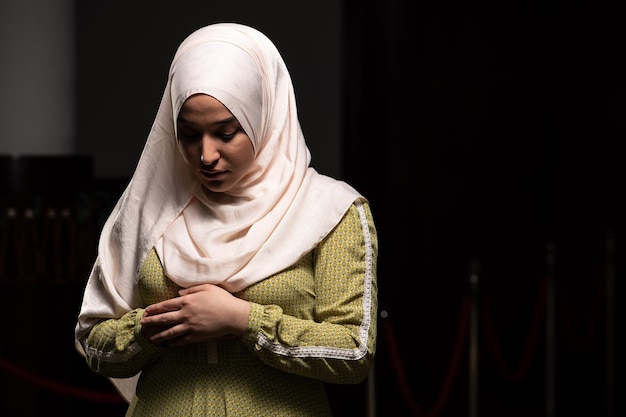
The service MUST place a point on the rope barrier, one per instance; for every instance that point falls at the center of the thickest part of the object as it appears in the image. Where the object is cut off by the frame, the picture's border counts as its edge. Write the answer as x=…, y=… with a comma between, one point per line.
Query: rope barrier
x=60, y=388
x=528, y=354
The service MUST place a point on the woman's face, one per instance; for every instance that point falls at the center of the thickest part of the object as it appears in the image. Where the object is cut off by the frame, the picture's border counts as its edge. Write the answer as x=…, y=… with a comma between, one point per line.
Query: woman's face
x=213, y=143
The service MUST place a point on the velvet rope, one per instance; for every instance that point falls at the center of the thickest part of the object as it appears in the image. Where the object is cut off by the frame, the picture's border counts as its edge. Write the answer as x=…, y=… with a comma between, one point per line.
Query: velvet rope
x=532, y=340
x=453, y=367
x=527, y=356
x=60, y=388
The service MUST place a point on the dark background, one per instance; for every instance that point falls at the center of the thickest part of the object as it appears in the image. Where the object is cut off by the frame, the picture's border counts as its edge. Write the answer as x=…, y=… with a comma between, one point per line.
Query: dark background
x=124, y=53
x=487, y=135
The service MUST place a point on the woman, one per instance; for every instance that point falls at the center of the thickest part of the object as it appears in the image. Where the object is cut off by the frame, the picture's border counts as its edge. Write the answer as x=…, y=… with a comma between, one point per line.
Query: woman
x=231, y=277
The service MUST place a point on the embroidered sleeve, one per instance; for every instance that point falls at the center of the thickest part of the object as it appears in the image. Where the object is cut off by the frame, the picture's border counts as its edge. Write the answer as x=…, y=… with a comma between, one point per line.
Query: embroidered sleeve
x=116, y=348
x=338, y=342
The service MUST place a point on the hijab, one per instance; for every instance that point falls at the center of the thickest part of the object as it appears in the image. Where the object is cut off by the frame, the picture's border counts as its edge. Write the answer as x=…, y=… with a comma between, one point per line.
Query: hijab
x=280, y=210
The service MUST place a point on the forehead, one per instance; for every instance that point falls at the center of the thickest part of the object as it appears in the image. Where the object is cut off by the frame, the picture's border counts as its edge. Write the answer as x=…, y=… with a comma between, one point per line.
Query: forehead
x=203, y=105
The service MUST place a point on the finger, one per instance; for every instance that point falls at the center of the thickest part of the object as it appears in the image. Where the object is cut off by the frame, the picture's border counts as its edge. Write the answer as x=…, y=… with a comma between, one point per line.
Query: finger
x=194, y=289
x=163, y=307
x=161, y=319
x=168, y=334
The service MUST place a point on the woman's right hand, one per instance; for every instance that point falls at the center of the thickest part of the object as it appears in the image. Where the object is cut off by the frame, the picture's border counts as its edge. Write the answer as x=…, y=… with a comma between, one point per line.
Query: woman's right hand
x=201, y=313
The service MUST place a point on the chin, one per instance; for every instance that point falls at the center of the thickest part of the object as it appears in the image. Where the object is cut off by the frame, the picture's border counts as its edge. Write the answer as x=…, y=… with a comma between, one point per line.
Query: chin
x=216, y=187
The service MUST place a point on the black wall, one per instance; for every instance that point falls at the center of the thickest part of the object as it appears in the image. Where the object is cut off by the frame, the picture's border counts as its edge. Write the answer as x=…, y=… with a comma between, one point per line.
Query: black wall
x=489, y=133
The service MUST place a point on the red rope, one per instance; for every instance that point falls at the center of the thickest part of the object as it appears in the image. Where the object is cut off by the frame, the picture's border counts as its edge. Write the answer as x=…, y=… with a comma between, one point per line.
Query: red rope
x=528, y=354
x=72, y=391
x=398, y=367
x=453, y=368
x=530, y=347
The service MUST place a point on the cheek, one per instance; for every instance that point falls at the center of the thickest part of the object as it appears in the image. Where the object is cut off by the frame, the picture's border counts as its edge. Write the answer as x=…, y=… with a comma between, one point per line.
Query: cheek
x=188, y=152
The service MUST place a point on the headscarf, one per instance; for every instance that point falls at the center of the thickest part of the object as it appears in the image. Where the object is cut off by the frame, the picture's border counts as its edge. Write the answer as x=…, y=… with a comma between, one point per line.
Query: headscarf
x=280, y=210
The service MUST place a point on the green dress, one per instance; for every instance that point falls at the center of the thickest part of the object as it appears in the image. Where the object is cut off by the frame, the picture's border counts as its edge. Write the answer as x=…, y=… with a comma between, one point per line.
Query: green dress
x=311, y=324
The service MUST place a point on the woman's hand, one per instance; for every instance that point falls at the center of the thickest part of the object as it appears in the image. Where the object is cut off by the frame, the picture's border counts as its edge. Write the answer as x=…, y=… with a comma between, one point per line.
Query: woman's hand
x=201, y=313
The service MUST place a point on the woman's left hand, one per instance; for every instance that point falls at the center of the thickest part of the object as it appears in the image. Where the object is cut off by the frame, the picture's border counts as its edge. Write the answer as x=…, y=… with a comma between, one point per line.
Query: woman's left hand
x=201, y=313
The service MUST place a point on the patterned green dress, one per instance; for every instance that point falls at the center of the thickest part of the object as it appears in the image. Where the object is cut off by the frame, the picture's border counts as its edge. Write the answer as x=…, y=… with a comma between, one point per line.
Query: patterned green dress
x=311, y=324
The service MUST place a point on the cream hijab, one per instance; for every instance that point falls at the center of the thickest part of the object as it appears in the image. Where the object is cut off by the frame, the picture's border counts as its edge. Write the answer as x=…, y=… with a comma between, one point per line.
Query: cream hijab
x=278, y=212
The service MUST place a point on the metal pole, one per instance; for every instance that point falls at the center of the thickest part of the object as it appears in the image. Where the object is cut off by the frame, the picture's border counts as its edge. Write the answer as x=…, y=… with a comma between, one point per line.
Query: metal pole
x=550, y=332
x=610, y=325
x=473, y=343
x=371, y=392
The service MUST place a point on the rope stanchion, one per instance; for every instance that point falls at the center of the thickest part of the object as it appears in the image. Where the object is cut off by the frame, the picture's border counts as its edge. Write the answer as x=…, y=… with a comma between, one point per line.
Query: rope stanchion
x=543, y=315
x=371, y=392
x=609, y=274
x=550, y=331
x=474, y=375
x=593, y=317
x=60, y=388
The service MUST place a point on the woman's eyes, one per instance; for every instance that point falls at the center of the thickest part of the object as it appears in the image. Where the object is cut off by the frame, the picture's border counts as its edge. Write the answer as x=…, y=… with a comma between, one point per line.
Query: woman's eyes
x=190, y=135
x=228, y=135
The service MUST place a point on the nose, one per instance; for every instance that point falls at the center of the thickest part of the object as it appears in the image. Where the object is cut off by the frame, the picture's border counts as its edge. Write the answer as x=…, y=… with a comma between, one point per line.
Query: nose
x=209, y=154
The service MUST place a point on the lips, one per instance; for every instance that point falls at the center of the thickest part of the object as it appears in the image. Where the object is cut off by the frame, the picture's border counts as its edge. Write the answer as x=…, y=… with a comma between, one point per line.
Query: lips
x=212, y=175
